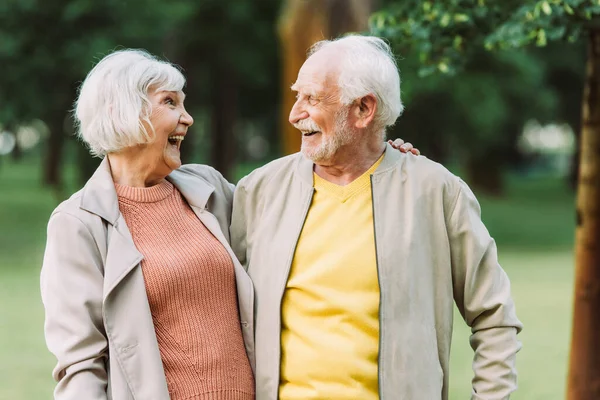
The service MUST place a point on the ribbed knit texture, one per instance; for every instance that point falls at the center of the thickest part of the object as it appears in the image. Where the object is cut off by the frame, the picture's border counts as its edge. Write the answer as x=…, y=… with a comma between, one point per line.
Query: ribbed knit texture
x=191, y=289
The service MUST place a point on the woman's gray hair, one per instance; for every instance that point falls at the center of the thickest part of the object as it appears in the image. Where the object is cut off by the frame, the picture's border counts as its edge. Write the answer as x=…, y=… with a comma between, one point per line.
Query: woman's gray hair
x=113, y=100
x=367, y=66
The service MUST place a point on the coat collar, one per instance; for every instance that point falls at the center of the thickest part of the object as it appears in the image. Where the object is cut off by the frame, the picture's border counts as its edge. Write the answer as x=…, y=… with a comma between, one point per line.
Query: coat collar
x=390, y=159
x=100, y=197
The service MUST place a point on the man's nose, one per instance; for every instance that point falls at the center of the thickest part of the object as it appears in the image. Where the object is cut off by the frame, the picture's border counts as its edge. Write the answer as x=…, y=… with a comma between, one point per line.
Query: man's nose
x=297, y=114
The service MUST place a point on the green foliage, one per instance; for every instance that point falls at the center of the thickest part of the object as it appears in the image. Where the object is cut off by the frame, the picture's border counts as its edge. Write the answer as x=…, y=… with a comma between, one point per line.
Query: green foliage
x=486, y=95
x=47, y=48
x=477, y=107
x=445, y=33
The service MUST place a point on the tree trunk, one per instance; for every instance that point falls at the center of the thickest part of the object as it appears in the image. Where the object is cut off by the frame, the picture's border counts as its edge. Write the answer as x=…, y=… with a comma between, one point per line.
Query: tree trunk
x=17, y=153
x=584, y=365
x=303, y=23
x=572, y=178
x=52, y=166
x=223, y=118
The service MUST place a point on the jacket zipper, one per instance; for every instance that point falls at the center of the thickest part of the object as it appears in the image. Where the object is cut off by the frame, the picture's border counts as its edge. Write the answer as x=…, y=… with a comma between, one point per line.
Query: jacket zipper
x=379, y=364
x=287, y=276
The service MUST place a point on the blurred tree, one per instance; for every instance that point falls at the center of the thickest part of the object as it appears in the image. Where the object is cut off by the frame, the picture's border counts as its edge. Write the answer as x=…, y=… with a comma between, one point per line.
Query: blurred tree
x=445, y=33
x=477, y=113
x=302, y=23
x=41, y=71
x=227, y=49
x=230, y=64
x=565, y=74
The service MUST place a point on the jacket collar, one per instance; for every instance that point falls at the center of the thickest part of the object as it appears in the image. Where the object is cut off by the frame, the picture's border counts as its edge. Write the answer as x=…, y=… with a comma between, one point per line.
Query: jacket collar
x=390, y=159
x=100, y=197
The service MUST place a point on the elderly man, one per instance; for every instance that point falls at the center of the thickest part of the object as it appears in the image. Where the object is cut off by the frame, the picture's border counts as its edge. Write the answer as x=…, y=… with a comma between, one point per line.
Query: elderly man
x=357, y=252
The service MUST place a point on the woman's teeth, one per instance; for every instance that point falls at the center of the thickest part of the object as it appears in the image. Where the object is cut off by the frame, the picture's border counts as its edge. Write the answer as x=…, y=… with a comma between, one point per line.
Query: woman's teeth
x=175, y=139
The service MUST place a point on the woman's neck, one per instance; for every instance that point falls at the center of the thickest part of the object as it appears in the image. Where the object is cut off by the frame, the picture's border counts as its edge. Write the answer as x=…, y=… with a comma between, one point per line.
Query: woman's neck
x=128, y=170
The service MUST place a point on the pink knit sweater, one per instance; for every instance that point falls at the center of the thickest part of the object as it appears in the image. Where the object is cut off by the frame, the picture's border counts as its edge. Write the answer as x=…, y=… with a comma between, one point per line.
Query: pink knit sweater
x=190, y=284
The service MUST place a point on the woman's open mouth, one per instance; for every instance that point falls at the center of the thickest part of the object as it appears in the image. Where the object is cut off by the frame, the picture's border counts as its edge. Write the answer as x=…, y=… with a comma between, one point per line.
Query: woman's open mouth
x=176, y=140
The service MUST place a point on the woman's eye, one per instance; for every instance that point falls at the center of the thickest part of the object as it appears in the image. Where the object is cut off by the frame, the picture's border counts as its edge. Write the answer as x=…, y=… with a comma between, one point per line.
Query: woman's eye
x=170, y=101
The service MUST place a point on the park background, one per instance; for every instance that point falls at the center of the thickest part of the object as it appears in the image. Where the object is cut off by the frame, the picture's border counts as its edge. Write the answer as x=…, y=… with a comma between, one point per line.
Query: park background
x=507, y=121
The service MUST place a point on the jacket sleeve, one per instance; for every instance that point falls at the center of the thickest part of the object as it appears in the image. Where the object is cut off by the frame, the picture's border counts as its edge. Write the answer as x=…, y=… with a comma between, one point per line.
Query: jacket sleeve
x=240, y=223
x=482, y=294
x=228, y=187
x=71, y=288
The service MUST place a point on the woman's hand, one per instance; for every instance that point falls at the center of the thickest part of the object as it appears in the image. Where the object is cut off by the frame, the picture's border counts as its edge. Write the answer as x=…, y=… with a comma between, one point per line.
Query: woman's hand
x=399, y=144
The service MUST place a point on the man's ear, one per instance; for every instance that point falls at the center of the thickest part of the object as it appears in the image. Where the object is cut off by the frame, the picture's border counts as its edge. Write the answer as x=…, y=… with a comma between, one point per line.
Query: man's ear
x=367, y=107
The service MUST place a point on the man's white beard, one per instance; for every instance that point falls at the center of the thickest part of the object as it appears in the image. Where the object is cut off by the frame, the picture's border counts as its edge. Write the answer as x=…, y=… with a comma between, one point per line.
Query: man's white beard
x=342, y=136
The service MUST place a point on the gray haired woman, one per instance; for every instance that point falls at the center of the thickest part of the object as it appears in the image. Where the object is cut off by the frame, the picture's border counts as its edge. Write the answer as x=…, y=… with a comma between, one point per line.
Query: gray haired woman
x=139, y=283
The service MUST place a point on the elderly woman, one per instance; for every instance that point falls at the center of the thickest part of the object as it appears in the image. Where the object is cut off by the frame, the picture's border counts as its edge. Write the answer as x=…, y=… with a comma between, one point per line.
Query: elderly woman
x=139, y=283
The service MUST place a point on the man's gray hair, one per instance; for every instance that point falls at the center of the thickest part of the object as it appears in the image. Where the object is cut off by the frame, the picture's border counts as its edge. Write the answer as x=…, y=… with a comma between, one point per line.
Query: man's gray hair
x=113, y=99
x=367, y=66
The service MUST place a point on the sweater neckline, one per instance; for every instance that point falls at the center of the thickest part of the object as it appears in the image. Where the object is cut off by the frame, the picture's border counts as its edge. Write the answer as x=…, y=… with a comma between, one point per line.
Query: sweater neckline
x=343, y=193
x=150, y=194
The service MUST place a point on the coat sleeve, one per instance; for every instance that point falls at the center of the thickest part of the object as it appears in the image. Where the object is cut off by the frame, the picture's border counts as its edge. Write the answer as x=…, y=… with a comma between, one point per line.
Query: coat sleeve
x=482, y=294
x=240, y=223
x=71, y=289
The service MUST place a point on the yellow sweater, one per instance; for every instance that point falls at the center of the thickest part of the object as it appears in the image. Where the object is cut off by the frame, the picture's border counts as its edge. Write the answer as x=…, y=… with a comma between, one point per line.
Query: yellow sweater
x=330, y=310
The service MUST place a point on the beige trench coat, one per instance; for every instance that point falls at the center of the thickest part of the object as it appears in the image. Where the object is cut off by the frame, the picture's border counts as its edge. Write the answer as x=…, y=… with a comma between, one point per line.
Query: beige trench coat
x=98, y=321
x=432, y=251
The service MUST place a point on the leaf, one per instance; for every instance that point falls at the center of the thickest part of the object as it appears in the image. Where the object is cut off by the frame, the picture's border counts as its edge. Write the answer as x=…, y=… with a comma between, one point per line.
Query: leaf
x=541, y=38
x=461, y=18
x=568, y=9
x=445, y=21
x=457, y=42
x=546, y=8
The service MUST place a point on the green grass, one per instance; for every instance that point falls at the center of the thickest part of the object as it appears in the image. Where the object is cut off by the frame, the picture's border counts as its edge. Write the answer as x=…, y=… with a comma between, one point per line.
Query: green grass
x=24, y=211
x=533, y=226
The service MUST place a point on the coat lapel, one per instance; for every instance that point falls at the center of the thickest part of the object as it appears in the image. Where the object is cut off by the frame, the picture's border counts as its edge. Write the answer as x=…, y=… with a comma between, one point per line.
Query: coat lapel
x=128, y=320
x=127, y=317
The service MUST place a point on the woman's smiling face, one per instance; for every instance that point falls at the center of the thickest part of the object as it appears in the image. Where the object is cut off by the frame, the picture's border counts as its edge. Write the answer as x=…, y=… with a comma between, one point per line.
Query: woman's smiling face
x=170, y=121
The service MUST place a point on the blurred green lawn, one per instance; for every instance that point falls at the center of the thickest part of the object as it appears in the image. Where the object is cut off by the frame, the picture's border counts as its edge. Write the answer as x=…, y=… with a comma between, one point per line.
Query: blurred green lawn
x=533, y=226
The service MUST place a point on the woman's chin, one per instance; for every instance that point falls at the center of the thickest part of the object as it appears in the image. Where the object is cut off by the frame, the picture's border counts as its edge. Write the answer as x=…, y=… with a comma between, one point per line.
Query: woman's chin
x=174, y=164
x=173, y=158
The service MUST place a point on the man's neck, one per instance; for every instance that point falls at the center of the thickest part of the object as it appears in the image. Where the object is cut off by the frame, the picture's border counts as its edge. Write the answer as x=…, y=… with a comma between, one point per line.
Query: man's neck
x=349, y=163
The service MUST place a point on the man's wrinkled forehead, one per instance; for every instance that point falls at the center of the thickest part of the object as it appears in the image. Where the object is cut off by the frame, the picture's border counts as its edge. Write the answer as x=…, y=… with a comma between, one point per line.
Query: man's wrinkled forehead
x=316, y=74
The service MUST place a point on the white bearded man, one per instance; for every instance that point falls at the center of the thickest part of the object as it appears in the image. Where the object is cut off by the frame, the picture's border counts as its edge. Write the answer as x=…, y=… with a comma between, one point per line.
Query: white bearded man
x=358, y=252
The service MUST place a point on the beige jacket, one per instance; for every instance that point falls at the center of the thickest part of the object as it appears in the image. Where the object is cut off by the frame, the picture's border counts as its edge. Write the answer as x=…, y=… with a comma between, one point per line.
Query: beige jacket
x=98, y=322
x=432, y=250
